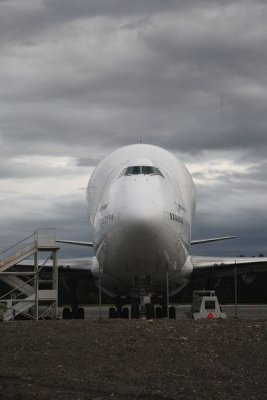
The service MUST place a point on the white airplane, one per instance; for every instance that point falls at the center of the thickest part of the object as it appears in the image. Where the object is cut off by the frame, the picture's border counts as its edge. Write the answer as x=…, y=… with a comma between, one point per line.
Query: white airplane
x=141, y=204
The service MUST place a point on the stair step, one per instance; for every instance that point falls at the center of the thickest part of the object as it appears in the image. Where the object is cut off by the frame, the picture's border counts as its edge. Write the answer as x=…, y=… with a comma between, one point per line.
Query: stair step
x=20, y=255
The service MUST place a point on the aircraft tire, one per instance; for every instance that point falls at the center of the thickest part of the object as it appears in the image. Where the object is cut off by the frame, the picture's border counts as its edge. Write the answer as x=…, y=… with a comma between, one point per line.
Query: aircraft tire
x=135, y=311
x=164, y=312
x=66, y=314
x=158, y=312
x=112, y=312
x=125, y=313
x=80, y=313
x=172, y=312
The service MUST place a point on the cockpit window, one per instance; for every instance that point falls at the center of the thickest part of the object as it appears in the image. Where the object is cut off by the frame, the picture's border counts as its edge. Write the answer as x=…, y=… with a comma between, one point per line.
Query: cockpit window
x=132, y=171
x=141, y=170
x=148, y=170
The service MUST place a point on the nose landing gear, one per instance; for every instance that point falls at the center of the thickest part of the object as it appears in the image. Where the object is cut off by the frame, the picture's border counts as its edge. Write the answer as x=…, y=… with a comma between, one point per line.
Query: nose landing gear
x=142, y=305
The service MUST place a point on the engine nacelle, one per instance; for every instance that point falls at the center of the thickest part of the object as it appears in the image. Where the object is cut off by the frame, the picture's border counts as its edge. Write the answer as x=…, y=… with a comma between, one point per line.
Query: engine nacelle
x=248, y=278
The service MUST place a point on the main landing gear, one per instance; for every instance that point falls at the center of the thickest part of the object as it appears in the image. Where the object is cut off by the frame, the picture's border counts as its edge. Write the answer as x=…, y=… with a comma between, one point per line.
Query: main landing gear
x=142, y=305
x=74, y=312
x=161, y=312
x=142, y=310
x=119, y=313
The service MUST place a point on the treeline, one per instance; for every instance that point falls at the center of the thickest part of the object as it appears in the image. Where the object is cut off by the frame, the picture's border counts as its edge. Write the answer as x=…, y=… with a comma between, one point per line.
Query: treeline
x=87, y=293
x=255, y=292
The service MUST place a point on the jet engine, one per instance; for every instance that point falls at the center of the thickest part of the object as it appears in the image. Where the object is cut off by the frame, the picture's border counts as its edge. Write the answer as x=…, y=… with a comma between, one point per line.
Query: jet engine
x=248, y=278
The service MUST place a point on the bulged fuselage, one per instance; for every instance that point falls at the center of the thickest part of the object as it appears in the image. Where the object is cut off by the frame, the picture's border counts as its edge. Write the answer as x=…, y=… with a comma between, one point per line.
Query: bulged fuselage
x=141, y=203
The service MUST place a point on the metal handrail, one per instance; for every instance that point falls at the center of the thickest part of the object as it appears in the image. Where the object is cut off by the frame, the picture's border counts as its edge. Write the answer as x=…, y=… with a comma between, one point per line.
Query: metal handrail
x=25, y=282
x=26, y=247
x=16, y=244
x=16, y=288
x=20, y=312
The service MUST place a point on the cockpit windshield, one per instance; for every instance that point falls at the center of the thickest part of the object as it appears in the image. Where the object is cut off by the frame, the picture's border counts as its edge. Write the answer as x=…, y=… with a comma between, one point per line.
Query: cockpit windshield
x=141, y=170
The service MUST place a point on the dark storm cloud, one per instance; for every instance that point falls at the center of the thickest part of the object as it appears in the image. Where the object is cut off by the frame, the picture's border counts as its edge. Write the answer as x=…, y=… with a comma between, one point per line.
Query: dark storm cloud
x=249, y=241
x=254, y=177
x=80, y=79
x=28, y=17
x=67, y=215
x=188, y=88
x=10, y=169
x=85, y=162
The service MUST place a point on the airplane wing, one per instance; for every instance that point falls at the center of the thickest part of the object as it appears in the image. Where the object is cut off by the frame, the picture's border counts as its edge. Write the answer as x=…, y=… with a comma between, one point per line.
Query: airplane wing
x=75, y=242
x=225, y=266
x=201, y=241
x=79, y=264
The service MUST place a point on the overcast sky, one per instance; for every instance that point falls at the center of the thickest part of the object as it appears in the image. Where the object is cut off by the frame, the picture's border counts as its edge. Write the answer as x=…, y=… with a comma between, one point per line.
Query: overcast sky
x=78, y=79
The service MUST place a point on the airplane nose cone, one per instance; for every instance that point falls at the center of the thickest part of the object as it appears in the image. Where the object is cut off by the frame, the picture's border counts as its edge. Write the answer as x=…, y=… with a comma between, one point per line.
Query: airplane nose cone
x=141, y=219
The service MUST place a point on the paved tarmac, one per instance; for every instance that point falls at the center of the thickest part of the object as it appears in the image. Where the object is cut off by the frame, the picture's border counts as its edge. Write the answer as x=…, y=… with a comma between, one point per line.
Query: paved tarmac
x=244, y=311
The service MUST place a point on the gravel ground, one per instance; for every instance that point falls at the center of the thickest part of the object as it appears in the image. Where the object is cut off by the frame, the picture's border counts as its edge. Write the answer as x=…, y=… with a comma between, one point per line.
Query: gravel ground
x=133, y=359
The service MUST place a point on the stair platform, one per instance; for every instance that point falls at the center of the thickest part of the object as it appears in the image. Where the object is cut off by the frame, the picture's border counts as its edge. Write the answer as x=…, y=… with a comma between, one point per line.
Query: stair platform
x=21, y=269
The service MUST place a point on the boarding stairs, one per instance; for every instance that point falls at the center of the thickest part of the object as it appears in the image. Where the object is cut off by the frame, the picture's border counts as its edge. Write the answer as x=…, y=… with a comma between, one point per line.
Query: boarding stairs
x=20, y=269
x=18, y=256
x=23, y=286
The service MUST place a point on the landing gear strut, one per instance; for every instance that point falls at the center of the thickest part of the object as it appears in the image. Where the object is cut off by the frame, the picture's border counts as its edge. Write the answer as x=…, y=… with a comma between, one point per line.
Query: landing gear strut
x=74, y=312
x=135, y=312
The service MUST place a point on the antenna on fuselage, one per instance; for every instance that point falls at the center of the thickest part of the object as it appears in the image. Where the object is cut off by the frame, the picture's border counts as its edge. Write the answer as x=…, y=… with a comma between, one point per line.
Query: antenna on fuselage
x=139, y=141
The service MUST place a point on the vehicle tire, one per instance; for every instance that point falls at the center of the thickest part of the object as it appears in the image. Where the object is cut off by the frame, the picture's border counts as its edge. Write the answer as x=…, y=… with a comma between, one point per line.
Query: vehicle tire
x=66, y=314
x=135, y=311
x=172, y=312
x=112, y=312
x=80, y=313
